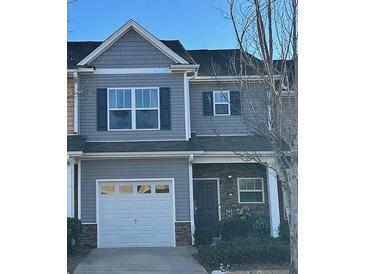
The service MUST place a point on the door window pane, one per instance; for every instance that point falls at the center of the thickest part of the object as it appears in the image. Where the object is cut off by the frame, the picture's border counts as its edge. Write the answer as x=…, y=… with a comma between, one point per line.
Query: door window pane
x=120, y=119
x=107, y=189
x=162, y=189
x=144, y=188
x=147, y=118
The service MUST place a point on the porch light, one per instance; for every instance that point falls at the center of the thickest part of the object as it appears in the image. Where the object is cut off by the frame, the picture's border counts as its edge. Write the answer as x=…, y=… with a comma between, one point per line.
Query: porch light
x=229, y=176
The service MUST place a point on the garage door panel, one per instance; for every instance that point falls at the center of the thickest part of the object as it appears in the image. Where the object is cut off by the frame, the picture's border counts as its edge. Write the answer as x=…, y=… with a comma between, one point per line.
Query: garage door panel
x=135, y=219
x=126, y=204
x=109, y=221
x=108, y=204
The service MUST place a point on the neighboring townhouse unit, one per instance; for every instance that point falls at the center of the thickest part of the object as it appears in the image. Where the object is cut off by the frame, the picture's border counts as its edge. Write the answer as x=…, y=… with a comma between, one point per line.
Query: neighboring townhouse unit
x=146, y=167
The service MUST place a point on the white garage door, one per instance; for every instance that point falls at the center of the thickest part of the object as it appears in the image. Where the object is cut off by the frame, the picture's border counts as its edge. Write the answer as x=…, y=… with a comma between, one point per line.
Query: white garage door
x=135, y=214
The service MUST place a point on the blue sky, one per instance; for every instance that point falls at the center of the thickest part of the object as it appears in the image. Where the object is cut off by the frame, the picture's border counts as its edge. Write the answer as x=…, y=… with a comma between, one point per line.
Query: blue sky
x=196, y=23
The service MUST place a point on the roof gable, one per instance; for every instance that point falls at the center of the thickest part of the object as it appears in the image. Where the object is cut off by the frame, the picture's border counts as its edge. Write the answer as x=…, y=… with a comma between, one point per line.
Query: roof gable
x=132, y=51
x=122, y=31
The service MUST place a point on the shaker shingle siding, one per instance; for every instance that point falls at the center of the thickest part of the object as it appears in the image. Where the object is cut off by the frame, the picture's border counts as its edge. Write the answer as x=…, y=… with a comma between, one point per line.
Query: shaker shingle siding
x=132, y=51
x=70, y=105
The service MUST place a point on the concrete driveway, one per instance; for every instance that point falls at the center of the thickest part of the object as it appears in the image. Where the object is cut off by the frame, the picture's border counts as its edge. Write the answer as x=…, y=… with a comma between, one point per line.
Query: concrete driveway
x=140, y=261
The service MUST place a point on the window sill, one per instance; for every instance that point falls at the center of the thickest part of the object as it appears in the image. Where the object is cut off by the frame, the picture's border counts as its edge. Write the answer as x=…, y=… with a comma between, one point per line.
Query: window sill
x=136, y=129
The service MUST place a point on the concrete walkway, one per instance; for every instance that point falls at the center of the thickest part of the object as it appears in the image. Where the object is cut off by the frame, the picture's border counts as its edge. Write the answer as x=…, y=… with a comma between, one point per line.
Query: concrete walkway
x=140, y=261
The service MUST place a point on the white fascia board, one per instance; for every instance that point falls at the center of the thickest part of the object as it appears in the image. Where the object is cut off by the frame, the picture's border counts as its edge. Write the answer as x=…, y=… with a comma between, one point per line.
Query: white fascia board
x=230, y=78
x=74, y=153
x=80, y=69
x=205, y=159
x=183, y=68
x=140, y=154
x=70, y=72
x=140, y=30
x=131, y=70
x=230, y=153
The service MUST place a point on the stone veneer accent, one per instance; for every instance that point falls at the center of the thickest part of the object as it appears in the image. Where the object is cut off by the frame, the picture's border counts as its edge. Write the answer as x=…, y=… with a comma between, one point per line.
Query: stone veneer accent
x=88, y=236
x=229, y=185
x=183, y=233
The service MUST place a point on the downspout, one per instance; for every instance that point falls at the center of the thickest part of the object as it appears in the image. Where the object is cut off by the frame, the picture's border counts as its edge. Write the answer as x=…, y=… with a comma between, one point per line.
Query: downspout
x=191, y=195
x=187, y=102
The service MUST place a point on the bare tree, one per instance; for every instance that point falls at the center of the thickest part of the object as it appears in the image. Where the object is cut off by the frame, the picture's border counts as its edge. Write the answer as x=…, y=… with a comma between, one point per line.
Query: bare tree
x=266, y=36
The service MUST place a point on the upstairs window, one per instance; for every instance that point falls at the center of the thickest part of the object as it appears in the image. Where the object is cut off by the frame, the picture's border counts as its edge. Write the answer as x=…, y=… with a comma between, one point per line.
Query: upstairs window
x=146, y=108
x=120, y=109
x=221, y=102
x=134, y=108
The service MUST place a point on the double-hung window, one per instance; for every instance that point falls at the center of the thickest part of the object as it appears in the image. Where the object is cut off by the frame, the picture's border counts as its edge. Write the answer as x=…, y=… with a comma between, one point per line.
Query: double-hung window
x=133, y=108
x=221, y=100
x=250, y=190
x=146, y=108
x=120, y=108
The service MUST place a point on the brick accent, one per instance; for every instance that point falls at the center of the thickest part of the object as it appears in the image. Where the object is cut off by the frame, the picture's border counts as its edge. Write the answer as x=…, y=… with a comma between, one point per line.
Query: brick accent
x=88, y=236
x=183, y=234
x=70, y=105
x=228, y=186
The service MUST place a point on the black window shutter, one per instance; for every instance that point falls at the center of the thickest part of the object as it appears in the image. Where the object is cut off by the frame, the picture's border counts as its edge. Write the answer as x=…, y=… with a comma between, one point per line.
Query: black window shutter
x=101, y=109
x=208, y=103
x=235, y=97
x=165, y=108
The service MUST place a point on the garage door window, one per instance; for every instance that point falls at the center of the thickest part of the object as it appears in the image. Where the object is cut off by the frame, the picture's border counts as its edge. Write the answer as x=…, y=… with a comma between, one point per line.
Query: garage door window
x=144, y=189
x=162, y=189
x=107, y=190
x=126, y=189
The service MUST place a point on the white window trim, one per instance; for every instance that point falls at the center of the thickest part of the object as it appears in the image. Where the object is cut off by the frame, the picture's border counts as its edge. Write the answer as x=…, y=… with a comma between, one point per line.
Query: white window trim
x=251, y=190
x=222, y=103
x=134, y=109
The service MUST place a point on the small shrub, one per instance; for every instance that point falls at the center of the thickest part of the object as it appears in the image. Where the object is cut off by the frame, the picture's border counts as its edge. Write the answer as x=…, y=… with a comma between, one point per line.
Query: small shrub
x=230, y=229
x=203, y=237
x=243, y=251
x=74, y=229
x=260, y=226
x=284, y=232
x=242, y=213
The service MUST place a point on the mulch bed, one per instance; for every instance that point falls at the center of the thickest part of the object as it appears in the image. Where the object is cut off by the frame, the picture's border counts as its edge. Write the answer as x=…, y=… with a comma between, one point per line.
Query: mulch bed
x=265, y=268
x=73, y=261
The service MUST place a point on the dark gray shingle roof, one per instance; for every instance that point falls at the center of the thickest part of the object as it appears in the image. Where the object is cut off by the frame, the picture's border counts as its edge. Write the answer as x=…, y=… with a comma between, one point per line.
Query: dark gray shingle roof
x=76, y=51
x=213, y=143
x=234, y=143
x=150, y=146
x=221, y=62
x=76, y=143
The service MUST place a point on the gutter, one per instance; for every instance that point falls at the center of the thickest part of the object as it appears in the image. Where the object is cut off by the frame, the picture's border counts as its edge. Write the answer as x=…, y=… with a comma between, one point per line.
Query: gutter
x=93, y=155
x=228, y=78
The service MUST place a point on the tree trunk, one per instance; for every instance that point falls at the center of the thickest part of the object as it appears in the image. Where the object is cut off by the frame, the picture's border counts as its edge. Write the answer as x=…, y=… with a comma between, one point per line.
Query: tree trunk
x=293, y=222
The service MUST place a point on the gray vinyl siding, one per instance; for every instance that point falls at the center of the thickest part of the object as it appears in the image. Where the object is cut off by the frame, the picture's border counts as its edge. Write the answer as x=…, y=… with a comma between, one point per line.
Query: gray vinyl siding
x=222, y=125
x=91, y=170
x=132, y=51
x=89, y=83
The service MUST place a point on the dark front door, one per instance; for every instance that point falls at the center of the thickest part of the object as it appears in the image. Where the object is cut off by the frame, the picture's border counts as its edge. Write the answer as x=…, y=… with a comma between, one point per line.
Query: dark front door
x=206, y=205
